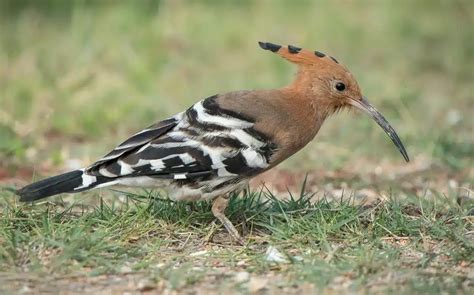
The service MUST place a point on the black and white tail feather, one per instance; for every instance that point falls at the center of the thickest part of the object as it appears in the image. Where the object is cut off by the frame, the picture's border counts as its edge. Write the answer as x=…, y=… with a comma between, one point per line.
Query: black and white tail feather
x=201, y=153
x=69, y=182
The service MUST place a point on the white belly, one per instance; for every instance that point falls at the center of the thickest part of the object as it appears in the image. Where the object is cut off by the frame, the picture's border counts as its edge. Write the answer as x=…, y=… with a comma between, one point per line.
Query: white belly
x=180, y=192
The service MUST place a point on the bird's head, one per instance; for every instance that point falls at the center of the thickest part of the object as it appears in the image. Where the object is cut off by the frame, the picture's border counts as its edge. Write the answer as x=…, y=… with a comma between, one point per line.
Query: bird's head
x=330, y=85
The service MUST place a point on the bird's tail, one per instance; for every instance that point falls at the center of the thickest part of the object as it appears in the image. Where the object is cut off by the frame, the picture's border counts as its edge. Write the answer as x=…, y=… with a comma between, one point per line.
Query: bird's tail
x=70, y=182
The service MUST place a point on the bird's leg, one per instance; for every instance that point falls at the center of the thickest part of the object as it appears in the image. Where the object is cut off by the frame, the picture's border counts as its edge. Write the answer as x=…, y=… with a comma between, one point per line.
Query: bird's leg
x=218, y=207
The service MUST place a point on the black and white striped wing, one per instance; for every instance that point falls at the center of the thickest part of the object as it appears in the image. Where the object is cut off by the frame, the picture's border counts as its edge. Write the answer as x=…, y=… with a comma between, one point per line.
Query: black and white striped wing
x=136, y=141
x=203, y=143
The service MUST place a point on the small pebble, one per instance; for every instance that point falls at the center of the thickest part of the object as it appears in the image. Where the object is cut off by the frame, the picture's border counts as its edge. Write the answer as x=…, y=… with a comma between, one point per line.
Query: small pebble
x=241, y=277
x=273, y=255
x=199, y=253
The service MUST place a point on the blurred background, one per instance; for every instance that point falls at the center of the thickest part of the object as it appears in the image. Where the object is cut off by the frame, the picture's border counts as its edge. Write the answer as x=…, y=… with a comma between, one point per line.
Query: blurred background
x=78, y=77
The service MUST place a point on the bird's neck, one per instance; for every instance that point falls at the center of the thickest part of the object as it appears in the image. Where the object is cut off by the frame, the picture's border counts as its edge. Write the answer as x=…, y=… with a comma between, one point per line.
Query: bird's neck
x=307, y=116
x=292, y=117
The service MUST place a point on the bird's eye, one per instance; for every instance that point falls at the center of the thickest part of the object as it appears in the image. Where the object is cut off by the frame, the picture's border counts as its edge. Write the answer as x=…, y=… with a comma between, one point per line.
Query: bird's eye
x=340, y=86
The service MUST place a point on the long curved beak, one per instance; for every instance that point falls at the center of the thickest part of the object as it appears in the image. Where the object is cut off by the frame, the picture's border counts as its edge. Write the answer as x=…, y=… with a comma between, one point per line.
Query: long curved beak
x=365, y=106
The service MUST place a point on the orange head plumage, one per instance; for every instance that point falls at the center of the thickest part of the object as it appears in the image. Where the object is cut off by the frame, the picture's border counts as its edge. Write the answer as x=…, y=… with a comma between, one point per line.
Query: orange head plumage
x=329, y=85
x=319, y=75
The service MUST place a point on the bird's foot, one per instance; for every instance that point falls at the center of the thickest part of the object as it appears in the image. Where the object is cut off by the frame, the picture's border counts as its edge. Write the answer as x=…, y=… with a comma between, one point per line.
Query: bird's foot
x=218, y=208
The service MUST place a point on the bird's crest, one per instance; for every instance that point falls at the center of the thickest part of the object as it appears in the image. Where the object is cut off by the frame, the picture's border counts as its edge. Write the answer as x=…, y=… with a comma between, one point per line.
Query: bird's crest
x=298, y=55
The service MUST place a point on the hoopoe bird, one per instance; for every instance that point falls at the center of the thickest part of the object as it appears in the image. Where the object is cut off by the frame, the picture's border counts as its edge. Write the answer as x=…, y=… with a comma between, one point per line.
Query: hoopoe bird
x=217, y=145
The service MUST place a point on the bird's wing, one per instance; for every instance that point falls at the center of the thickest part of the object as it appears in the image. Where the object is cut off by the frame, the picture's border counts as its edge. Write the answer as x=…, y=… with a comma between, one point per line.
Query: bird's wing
x=135, y=142
x=203, y=141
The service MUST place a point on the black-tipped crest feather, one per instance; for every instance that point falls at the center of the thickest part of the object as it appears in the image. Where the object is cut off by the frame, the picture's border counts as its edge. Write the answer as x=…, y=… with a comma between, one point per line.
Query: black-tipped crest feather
x=269, y=46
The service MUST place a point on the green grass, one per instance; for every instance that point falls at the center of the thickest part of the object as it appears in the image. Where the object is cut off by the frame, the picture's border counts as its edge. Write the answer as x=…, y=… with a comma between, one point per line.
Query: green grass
x=397, y=245
x=77, y=77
